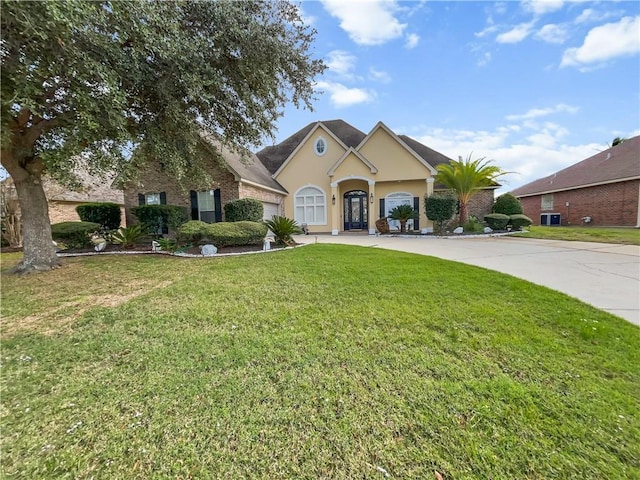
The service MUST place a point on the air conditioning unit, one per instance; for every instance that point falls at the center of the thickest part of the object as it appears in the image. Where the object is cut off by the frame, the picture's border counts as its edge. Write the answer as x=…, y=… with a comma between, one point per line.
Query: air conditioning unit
x=550, y=219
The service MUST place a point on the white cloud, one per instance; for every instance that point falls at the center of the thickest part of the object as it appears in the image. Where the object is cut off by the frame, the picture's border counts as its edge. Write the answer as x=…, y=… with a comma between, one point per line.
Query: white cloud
x=552, y=33
x=342, y=96
x=341, y=63
x=590, y=15
x=516, y=34
x=484, y=59
x=529, y=158
x=542, y=112
x=412, y=41
x=486, y=31
x=605, y=42
x=540, y=7
x=369, y=22
x=379, y=76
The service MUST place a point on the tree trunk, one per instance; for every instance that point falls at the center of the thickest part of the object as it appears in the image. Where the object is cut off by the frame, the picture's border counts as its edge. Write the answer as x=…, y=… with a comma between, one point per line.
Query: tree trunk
x=464, y=215
x=39, y=252
x=403, y=226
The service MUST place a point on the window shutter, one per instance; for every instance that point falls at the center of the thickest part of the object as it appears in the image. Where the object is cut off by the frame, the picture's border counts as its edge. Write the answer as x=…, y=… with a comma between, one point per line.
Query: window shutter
x=218, y=204
x=416, y=207
x=382, y=215
x=193, y=195
x=163, y=198
x=141, y=199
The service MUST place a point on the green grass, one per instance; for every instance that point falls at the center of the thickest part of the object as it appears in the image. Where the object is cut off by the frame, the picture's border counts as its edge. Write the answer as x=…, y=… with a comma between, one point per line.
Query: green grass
x=327, y=361
x=630, y=236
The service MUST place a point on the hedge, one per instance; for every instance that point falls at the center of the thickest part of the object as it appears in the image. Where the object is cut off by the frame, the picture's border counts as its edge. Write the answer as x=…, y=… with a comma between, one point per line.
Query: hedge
x=106, y=214
x=507, y=204
x=74, y=234
x=518, y=221
x=244, y=209
x=222, y=234
x=159, y=219
x=497, y=221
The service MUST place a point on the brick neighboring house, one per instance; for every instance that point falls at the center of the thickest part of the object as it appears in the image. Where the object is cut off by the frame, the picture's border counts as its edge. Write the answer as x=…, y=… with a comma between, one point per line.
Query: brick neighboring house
x=235, y=175
x=63, y=201
x=602, y=190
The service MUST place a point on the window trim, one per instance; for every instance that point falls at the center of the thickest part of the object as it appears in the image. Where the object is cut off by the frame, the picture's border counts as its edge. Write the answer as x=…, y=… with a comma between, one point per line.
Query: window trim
x=200, y=210
x=296, y=206
x=155, y=195
x=324, y=143
x=545, y=204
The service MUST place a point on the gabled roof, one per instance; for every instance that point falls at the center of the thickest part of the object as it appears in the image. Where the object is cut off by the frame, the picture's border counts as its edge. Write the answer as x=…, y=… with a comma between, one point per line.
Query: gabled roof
x=619, y=163
x=274, y=156
x=358, y=155
x=245, y=166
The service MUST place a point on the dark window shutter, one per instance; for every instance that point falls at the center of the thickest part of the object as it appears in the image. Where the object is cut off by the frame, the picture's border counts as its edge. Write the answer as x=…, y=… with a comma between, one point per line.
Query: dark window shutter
x=193, y=195
x=141, y=199
x=163, y=198
x=218, y=204
x=382, y=215
x=416, y=207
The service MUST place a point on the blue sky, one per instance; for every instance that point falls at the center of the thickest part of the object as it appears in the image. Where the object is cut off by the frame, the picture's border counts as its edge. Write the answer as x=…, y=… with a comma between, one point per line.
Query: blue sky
x=534, y=86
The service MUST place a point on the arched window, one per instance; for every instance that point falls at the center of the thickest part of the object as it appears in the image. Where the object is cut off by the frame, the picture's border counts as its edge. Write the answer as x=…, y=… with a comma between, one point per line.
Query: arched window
x=310, y=206
x=392, y=201
x=321, y=146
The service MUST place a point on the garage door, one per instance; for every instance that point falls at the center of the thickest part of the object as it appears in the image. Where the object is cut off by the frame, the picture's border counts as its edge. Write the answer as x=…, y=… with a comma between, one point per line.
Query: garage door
x=270, y=209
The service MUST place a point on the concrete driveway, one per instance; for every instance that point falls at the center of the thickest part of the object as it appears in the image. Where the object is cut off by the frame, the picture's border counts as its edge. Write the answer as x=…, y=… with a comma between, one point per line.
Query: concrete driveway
x=604, y=275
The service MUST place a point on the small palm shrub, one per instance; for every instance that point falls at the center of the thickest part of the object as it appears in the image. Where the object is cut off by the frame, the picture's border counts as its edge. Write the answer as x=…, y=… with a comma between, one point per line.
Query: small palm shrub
x=127, y=237
x=283, y=228
x=244, y=209
x=74, y=234
x=402, y=213
x=167, y=244
x=473, y=225
x=106, y=214
x=518, y=221
x=507, y=204
x=497, y=221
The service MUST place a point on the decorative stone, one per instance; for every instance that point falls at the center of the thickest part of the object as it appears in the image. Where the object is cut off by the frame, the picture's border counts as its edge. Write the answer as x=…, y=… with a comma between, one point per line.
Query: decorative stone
x=488, y=230
x=208, y=250
x=458, y=230
x=100, y=246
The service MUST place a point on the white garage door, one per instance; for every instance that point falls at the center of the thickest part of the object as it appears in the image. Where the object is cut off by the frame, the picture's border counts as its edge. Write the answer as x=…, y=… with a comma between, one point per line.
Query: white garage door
x=270, y=209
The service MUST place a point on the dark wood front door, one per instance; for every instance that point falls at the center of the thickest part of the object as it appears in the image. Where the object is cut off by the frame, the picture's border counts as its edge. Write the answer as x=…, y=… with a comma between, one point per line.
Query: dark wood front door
x=355, y=210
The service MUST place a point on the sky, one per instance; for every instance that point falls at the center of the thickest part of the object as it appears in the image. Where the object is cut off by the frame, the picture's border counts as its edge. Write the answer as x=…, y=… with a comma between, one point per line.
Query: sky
x=532, y=86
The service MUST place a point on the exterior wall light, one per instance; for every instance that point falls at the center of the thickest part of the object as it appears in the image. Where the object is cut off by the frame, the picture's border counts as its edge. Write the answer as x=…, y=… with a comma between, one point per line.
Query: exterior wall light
x=333, y=200
x=371, y=197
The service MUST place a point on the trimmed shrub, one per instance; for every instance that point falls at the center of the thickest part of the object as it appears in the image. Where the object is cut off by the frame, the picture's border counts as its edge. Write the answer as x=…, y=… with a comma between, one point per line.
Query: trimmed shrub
x=159, y=219
x=473, y=225
x=193, y=231
x=518, y=221
x=106, y=214
x=74, y=234
x=507, y=204
x=440, y=209
x=244, y=209
x=497, y=221
x=222, y=234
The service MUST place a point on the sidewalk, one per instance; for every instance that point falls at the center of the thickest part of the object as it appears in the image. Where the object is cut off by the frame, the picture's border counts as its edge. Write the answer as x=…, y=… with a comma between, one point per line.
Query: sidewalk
x=604, y=275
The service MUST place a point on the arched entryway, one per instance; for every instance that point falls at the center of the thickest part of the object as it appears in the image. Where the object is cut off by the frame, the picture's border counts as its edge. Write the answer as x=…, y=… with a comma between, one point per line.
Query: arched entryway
x=356, y=212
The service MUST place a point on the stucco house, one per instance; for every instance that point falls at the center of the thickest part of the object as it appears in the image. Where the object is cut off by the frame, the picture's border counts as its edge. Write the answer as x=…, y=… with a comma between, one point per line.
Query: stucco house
x=603, y=189
x=340, y=179
x=329, y=176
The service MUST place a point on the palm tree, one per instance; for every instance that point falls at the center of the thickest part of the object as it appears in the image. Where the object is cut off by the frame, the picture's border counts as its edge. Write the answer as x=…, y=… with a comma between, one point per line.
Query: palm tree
x=466, y=178
x=402, y=213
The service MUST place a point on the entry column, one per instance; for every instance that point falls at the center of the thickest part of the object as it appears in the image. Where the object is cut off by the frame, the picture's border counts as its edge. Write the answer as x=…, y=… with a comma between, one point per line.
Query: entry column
x=372, y=207
x=335, y=208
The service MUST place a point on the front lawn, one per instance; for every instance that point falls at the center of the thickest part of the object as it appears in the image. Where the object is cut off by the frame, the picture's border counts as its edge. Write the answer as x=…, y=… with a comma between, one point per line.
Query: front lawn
x=630, y=236
x=327, y=361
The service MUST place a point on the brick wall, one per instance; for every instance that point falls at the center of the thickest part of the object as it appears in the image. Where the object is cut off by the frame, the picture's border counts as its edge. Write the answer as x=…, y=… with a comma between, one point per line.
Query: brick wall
x=249, y=191
x=66, y=212
x=614, y=204
x=155, y=181
x=481, y=204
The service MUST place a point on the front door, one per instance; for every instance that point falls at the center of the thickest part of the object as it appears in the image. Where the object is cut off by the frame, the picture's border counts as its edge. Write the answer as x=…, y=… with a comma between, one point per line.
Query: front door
x=355, y=210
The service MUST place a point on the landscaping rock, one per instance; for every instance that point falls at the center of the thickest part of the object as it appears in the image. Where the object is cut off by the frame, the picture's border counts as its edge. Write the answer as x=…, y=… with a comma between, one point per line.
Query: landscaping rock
x=458, y=230
x=208, y=250
x=488, y=230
